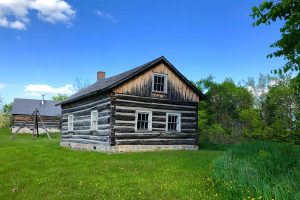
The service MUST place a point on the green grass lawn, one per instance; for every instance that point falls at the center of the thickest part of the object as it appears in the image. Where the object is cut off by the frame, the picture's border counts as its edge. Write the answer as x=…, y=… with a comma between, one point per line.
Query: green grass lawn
x=41, y=169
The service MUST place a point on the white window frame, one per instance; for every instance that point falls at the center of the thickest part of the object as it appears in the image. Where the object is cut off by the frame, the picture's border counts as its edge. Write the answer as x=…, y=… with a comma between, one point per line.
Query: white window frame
x=149, y=119
x=70, y=122
x=166, y=83
x=92, y=114
x=178, y=126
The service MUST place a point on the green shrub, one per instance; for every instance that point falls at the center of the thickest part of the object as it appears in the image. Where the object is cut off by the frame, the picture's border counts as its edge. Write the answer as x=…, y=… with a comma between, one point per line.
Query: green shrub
x=216, y=137
x=260, y=170
x=5, y=121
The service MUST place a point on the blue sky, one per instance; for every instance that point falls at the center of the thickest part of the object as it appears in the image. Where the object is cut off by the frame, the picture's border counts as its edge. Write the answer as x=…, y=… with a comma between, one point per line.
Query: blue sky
x=46, y=48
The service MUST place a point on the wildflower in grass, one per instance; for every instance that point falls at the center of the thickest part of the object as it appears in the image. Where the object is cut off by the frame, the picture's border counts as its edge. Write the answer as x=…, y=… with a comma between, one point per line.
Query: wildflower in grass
x=263, y=154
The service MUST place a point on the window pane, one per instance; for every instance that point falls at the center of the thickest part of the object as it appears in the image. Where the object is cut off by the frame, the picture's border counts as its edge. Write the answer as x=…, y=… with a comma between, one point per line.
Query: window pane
x=147, y=116
x=142, y=121
x=143, y=125
x=155, y=79
x=162, y=80
x=158, y=79
x=173, y=122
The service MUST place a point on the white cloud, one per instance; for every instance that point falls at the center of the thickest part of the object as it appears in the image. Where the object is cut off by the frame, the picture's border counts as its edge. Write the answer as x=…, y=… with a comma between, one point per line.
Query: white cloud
x=39, y=89
x=2, y=86
x=15, y=13
x=105, y=16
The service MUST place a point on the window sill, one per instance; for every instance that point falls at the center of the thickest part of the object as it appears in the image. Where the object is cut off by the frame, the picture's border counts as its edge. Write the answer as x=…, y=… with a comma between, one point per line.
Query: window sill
x=158, y=92
x=172, y=132
x=142, y=131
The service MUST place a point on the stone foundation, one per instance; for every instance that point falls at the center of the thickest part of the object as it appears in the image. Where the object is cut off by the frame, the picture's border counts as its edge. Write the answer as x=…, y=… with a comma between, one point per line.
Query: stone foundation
x=126, y=148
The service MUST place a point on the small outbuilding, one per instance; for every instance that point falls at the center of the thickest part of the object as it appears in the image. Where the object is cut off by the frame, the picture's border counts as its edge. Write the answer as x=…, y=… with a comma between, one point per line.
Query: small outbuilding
x=24, y=110
x=150, y=107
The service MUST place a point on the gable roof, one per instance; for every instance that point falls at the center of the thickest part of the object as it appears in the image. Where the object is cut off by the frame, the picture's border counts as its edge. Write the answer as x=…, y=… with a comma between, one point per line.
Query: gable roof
x=107, y=84
x=27, y=106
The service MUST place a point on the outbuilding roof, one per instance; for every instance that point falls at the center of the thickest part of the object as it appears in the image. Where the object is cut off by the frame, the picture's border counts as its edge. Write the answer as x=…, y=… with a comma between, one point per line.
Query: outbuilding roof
x=106, y=84
x=27, y=106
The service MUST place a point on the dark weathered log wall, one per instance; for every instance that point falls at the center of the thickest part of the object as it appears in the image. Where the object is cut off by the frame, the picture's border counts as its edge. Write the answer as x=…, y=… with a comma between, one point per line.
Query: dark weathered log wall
x=81, y=111
x=123, y=126
x=50, y=122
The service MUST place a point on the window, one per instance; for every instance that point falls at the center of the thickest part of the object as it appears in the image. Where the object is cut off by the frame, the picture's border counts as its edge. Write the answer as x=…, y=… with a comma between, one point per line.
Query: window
x=70, y=122
x=159, y=83
x=94, y=120
x=143, y=120
x=173, y=122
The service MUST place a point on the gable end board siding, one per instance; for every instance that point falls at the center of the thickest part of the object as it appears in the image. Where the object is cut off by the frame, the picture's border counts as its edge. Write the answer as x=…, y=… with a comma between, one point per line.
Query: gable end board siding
x=81, y=110
x=125, y=115
x=141, y=85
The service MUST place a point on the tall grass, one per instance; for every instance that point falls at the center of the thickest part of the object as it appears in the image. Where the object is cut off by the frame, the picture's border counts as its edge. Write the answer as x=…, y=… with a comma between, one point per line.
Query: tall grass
x=258, y=170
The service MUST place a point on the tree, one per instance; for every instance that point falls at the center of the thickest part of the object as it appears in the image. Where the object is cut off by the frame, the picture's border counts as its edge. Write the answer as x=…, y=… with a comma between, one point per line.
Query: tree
x=60, y=97
x=259, y=89
x=288, y=46
x=225, y=102
x=7, y=108
x=282, y=112
x=79, y=84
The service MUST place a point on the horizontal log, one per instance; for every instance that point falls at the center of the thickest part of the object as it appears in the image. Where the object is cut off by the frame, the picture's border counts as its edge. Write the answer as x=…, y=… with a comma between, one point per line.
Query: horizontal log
x=89, y=99
x=157, y=109
x=39, y=123
x=119, y=116
x=88, y=132
x=77, y=128
x=188, y=131
x=153, y=105
x=159, y=129
x=124, y=111
x=159, y=125
x=89, y=137
x=86, y=111
x=104, y=120
x=187, y=126
x=85, y=106
x=154, y=100
x=29, y=117
x=125, y=129
x=155, y=135
x=156, y=142
x=84, y=141
x=125, y=124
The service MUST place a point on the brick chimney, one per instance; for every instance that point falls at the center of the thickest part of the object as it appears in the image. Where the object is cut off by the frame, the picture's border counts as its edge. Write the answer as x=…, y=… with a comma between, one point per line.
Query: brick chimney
x=100, y=75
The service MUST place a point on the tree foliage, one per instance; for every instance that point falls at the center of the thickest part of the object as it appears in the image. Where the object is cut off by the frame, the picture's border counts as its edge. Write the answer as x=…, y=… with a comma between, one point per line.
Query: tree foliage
x=7, y=107
x=288, y=46
x=60, y=97
x=232, y=110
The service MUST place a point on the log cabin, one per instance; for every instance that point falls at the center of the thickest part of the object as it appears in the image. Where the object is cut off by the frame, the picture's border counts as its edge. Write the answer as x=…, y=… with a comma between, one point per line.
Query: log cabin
x=23, y=119
x=150, y=107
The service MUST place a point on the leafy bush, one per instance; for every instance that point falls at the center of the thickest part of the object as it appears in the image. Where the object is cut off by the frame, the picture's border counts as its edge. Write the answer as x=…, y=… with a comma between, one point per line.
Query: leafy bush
x=5, y=121
x=215, y=137
x=260, y=170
